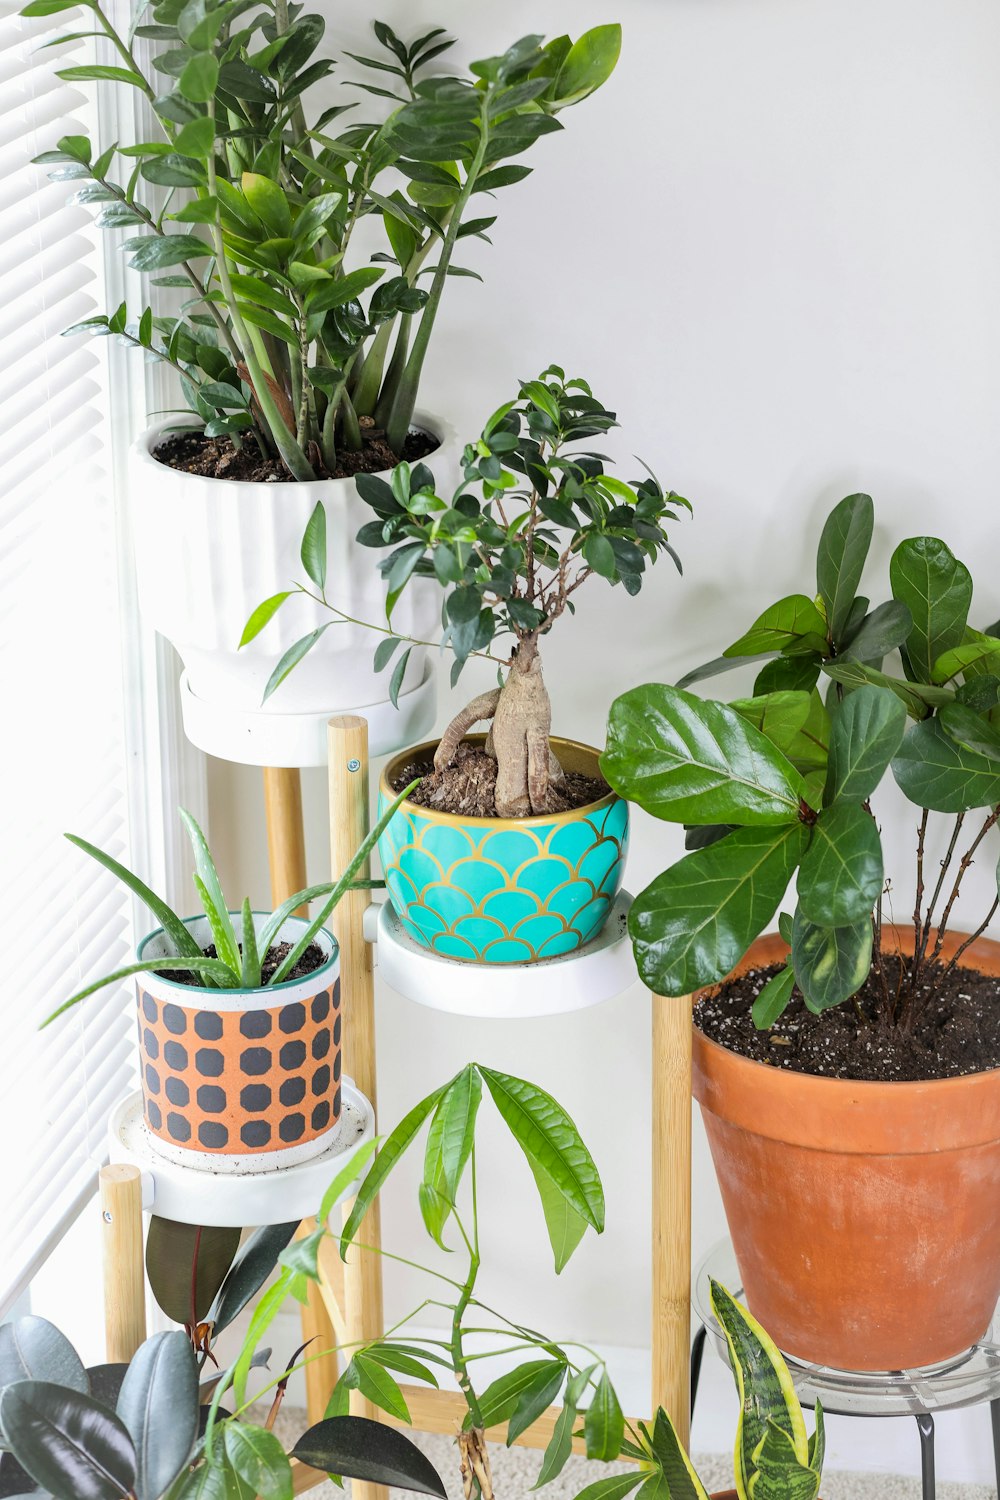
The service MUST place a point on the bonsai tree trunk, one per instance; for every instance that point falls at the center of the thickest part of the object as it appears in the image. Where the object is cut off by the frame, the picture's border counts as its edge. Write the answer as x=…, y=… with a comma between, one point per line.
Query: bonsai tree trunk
x=521, y=717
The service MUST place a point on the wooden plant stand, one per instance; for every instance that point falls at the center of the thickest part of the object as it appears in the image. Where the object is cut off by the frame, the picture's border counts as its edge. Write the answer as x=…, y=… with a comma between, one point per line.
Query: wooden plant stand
x=346, y=1305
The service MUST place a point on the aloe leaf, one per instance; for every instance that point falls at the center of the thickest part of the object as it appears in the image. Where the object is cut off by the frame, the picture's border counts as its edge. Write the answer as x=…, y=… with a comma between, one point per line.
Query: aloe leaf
x=213, y=968
x=168, y=919
x=250, y=969
x=210, y=890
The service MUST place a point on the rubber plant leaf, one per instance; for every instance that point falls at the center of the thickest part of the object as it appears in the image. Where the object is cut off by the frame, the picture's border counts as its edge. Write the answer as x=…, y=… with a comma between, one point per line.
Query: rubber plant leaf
x=186, y=1265
x=691, y=761
x=158, y=1405
x=67, y=1441
x=248, y=1272
x=32, y=1348
x=356, y=1448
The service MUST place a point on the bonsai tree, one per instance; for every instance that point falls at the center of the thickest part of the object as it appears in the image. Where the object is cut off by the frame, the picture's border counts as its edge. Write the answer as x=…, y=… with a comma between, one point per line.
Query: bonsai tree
x=784, y=783
x=281, y=334
x=140, y=1431
x=534, y=519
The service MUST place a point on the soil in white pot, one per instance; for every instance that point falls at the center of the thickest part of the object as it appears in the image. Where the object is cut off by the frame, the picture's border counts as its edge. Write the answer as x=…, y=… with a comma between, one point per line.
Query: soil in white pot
x=467, y=785
x=307, y=963
x=216, y=457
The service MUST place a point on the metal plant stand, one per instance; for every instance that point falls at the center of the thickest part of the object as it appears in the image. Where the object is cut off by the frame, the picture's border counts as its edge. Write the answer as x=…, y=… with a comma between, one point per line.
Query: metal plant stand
x=971, y=1379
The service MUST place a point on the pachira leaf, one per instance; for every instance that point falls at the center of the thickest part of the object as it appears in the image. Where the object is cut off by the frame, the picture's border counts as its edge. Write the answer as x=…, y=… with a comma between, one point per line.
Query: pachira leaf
x=259, y=1459
x=604, y=1423
x=566, y=1228
x=547, y=1135
x=393, y=1148
x=357, y=1448
x=559, y=1448
x=934, y=771
x=920, y=698
x=695, y=922
x=449, y=1146
x=498, y=1401
x=615, y=1487
x=691, y=761
x=675, y=1468
x=831, y=963
x=763, y=1384
x=843, y=550
x=536, y=1398
x=67, y=1442
x=937, y=590
x=841, y=872
x=377, y=1385
x=186, y=1265
x=973, y=658
x=774, y=998
x=163, y=1376
x=793, y=625
x=866, y=733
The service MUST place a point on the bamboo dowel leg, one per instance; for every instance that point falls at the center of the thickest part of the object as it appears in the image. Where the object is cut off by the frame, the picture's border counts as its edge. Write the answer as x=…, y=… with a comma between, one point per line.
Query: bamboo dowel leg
x=287, y=852
x=348, y=747
x=285, y=835
x=672, y=1209
x=124, y=1278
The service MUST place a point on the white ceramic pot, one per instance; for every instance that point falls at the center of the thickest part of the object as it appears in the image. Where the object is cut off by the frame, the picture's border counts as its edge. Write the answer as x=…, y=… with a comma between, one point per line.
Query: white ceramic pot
x=208, y=551
x=240, y=1080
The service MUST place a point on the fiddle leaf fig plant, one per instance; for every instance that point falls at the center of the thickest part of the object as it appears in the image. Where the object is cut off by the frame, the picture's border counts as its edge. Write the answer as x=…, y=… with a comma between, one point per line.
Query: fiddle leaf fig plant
x=139, y=1431
x=535, y=518
x=241, y=956
x=784, y=783
x=247, y=206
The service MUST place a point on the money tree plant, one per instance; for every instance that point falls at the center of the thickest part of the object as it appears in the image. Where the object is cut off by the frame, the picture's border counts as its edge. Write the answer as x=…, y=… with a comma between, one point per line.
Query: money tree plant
x=247, y=207
x=784, y=783
x=535, y=517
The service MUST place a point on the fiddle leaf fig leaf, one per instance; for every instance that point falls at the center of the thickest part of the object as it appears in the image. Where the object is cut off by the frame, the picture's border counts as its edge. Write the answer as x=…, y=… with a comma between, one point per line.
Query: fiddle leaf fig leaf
x=695, y=922
x=920, y=698
x=971, y=731
x=793, y=625
x=934, y=771
x=841, y=873
x=972, y=659
x=885, y=629
x=843, y=550
x=691, y=761
x=830, y=963
x=937, y=590
x=866, y=733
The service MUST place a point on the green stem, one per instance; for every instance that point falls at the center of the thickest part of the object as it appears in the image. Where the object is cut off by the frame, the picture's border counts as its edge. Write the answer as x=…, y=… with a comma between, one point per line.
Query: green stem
x=390, y=386
x=406, y=399
x=351, y=427
x=125, y=52
x=370, y=379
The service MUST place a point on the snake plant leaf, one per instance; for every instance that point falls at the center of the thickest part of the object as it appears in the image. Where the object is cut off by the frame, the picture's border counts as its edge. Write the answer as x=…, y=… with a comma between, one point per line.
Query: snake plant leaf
x=793, y=626
x=162, y=1377
x=841, y=873
x=937, y=589
x=604, y=1423
x=920, y=697
x=566, y=1228
x=248, y=1272
x=210, y=890
x=694, y=922
x=356, y=1448
x=184, y=944
x=970, y=730
x=395, y=1144
x=186, y=1265
x=682, y=1483
x=763, y=1384
x=691, y=761
x=817, y=1443
x=974, y=658
x=840, y=561
x=773, y=1000
x=885, y=629
x=67, y=1441
x=830, y=963
x=32, y=1348
x=547, y=1135
x=933, y=771
x=866, y=733
x=536, y=1398
x=780, y=1473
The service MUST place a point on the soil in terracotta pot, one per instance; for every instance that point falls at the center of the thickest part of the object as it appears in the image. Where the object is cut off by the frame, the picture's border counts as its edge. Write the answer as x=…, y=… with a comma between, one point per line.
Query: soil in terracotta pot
x=310, y=960
x=467, y=786
x=955, y=1028
x=216, y=458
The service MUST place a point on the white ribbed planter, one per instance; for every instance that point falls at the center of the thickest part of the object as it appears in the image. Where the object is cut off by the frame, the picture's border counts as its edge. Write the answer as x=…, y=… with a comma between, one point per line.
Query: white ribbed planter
x=208, y=551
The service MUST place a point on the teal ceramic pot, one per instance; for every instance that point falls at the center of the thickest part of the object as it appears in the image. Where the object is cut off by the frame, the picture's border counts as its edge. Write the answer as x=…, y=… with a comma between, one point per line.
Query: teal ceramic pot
x=504, y=890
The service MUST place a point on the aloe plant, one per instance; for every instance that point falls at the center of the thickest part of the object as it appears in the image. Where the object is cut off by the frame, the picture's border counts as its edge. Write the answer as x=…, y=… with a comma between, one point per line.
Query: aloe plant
x=240, y=958
x=283, y=335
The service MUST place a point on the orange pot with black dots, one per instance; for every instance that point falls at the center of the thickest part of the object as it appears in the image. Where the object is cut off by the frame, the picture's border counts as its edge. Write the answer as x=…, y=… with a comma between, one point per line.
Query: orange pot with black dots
x=240, y=1080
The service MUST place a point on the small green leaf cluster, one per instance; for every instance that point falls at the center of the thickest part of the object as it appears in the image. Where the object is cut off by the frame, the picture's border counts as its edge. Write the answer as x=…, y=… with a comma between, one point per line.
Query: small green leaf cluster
x=136, y=1429
x=240, y=956
x=534, y=518
x=782, y=782
x=250, y=210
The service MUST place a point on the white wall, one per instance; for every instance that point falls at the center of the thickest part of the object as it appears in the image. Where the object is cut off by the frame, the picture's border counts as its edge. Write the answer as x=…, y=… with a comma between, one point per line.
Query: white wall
x=771, y=243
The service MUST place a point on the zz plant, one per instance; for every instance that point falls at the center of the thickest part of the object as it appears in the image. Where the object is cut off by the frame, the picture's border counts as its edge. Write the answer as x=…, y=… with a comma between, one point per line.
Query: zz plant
x=783, y=784
x=535, y=517
x=248, y=208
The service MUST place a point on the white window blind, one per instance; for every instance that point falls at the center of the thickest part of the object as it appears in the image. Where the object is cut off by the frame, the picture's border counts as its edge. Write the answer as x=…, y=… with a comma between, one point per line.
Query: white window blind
x=62, y=756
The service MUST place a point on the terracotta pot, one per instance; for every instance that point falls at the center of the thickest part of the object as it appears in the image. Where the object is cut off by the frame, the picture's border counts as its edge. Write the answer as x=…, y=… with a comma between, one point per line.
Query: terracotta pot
x=865, y=1216
x=504, y=890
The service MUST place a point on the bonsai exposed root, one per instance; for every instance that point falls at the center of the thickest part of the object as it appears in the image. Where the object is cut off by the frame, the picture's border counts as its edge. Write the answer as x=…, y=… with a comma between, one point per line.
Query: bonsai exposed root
x=475, y=1464
x=518, y=739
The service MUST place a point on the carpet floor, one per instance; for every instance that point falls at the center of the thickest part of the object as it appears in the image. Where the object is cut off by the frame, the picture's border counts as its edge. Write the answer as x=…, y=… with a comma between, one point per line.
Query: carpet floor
x=515, y=1471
